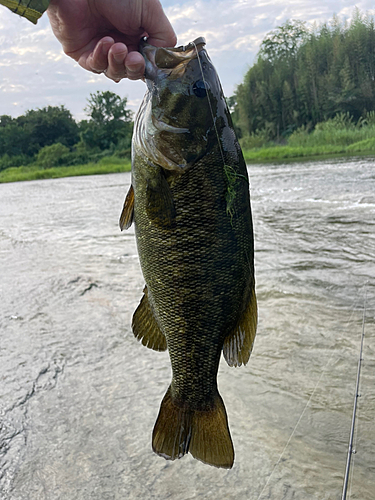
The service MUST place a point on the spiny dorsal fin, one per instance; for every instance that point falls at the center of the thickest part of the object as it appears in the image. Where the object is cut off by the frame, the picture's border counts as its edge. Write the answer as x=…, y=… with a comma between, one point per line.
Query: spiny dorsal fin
x=145, y=326
x=239, y=344
x=127, y=213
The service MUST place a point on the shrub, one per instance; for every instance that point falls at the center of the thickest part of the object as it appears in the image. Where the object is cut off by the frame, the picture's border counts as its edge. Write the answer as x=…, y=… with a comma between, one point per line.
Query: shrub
x=259, y=138
x=7, y=161
x=300, y=137
x=52, y=156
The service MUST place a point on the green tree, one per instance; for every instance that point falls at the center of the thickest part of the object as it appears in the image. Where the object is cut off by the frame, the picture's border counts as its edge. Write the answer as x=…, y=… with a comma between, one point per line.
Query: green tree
x=284, y=41
x=303, y=77
x=47, y=126
x=110, y=123
x=14, y=140
x=5, y=120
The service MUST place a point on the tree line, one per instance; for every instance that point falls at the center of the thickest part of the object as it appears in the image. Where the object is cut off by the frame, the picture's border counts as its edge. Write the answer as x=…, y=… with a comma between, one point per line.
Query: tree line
x=301, y=77
x=305, y=76
x=50, y=136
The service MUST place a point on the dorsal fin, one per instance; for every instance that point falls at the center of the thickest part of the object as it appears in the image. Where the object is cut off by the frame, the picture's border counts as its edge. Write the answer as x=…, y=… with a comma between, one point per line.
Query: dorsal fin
x=239, y=343
x=145, y=326
x=127, y=214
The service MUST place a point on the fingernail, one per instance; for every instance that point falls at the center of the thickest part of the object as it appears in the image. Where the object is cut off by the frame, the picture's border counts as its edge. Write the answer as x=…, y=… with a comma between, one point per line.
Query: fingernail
x=119, y=57
x=135, y=69
x=105, y=48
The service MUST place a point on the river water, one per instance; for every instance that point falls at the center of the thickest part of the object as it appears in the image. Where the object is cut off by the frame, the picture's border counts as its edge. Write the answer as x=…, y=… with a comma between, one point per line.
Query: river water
x=79, y=395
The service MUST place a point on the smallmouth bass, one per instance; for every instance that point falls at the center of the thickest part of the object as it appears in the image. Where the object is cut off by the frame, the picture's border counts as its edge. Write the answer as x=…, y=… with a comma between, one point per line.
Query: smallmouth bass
x=190, y=204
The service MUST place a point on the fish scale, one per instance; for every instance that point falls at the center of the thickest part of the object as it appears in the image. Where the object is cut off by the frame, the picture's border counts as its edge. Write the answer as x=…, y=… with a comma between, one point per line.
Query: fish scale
x=196, y=251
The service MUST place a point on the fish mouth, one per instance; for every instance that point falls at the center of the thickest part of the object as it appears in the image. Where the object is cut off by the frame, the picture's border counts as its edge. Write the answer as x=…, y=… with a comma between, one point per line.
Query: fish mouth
x=157, y=134
x=170, y=61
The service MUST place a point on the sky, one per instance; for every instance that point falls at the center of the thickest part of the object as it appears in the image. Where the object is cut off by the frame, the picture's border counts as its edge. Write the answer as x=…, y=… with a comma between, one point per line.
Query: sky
x=34, y=71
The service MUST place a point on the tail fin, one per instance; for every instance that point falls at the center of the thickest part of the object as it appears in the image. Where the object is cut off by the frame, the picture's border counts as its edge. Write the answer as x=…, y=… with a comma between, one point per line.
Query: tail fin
x=204, y=433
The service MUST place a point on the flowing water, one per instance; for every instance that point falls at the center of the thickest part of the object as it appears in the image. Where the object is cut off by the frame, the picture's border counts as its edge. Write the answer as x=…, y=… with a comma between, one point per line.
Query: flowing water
x=79, y=395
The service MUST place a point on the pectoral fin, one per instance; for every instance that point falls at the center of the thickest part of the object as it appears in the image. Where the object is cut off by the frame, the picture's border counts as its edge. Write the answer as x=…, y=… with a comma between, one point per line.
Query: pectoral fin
x=145, y=326
x=127, y=214
x=239, y=343
x=160, y=205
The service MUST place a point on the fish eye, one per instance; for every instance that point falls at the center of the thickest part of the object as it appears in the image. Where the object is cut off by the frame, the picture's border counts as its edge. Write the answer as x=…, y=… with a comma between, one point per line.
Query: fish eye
x=199, y=88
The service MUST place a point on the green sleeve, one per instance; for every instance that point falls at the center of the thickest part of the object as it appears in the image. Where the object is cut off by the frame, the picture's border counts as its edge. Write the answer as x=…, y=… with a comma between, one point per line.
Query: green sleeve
x=31, y=9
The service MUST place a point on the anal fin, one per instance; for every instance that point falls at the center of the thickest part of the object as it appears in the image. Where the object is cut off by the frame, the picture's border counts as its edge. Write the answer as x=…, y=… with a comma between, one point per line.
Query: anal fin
x=127, y=214
x=239, y=343
x=145, y=326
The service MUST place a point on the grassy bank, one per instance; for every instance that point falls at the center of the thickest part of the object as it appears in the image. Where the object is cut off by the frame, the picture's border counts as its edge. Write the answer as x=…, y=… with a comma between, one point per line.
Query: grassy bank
x=262, y=155
x=34, y=172
x=278, y=153
x=335, y=137
x=339, y=136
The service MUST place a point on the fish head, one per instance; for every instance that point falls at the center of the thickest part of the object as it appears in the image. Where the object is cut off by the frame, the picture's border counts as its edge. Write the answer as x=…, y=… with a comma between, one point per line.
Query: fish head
x=184, y=107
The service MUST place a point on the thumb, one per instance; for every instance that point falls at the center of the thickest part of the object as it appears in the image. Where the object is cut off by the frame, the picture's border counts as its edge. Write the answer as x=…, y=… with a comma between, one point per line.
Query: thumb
x=156, y=24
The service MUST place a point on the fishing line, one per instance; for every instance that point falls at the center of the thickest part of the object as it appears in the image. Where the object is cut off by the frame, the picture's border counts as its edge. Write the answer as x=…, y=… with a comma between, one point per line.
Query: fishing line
x=330, y=358
x=295, y=428
x=229, y=171
x=236, y=174
x=355, y=404
x=305, y=408
x=210, y=105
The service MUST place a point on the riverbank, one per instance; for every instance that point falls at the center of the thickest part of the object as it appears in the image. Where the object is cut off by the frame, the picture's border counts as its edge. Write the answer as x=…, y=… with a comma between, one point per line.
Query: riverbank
x=34, y=172
x=267, y=154
x=338, y=136
x=300, y=153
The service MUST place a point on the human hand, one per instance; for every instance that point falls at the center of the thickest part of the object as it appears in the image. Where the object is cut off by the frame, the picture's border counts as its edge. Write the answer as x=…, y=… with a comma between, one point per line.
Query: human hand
x=103, y=35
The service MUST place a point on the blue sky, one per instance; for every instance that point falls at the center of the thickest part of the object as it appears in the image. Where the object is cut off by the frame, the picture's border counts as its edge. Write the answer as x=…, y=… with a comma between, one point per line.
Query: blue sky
x=34, y=72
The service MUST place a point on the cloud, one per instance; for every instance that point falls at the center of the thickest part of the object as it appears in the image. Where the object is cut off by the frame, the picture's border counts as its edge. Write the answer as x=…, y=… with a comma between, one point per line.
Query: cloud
x=34, y=71
x=226, y=23
x=234, y=30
